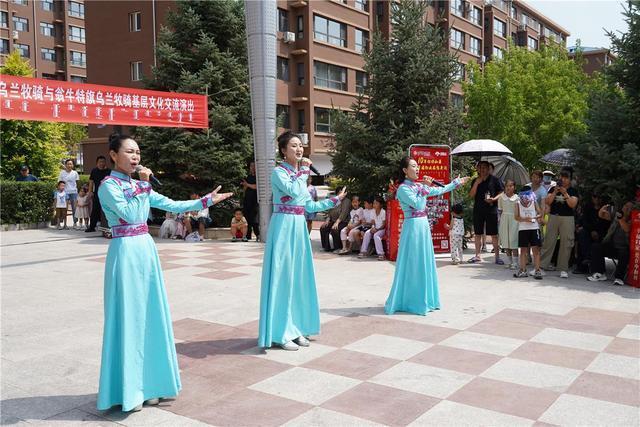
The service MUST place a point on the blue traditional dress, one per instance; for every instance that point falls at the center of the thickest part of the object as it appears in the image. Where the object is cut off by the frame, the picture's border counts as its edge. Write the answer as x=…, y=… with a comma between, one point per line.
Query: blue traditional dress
x=415, y=283
x=288, y=297
x=138, y=352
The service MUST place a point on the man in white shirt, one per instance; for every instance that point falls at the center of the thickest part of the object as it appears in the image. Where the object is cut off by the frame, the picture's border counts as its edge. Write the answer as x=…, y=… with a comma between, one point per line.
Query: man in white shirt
x=71, y=178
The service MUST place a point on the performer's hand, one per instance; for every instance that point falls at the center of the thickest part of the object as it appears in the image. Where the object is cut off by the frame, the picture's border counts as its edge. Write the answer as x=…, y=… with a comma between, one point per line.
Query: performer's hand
x=305, y=162
x=463, y=180
x=217, y=198
x=427, y=179
x=343, y=193
x=145, y=174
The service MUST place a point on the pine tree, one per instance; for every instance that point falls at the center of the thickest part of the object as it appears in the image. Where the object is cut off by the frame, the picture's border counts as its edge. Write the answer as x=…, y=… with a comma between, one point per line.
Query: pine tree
x=202, y=50
x=406, y=101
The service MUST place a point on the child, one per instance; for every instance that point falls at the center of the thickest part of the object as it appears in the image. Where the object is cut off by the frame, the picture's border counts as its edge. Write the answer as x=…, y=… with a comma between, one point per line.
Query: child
x=508, y=228
x=61, y=203
x=456, y=233
x=82, y=209
x=377, y=231
x=347, y=234
x=169, y=226
x=529, y=215
x=239, y=226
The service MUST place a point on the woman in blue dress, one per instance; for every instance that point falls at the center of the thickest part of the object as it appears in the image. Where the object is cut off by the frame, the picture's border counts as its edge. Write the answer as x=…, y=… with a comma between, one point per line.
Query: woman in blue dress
x=138, y=352
x=289, y=309
x=415, y=283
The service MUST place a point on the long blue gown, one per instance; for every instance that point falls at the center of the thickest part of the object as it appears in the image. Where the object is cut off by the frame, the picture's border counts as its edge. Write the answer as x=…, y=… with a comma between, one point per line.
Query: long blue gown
x=138, y=352
x=415, y=283
x=288, y=297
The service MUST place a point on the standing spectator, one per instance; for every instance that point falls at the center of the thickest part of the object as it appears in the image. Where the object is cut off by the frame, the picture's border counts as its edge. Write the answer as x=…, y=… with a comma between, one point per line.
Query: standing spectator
x=71, y=178
x=239, y=226
x=562, y=201
x=347, y=234
x=61, y=203
x=310, y=216
x=377, y=231
x=250, y=207
x=485, y=189
x=591, y=229
x=547, y=180
x=338, y=219
x=25, y=175
x=456, y=233
x=529, y=215
x=82, y=210
x=538, y=189
x=100, y=172
x=508, y=229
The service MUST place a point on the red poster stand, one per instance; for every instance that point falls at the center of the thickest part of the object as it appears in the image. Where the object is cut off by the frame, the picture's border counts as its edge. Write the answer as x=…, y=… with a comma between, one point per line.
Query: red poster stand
x=395, y=218
x=633, y=271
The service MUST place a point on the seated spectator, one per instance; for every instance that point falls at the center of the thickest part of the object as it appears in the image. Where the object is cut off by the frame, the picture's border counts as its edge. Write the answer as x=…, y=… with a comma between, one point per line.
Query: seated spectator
x=348, y=233
x=614, y=245
x=591, y=229
x=169, y=226
x=25, y=175
x=338, y=219
x=239, y=226
x=199, y=219
x=377, y=231
x=368, y=217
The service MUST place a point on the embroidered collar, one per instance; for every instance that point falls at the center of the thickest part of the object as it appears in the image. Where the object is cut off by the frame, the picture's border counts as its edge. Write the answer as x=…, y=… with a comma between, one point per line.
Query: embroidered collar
x=288, y=167
x=121, y=175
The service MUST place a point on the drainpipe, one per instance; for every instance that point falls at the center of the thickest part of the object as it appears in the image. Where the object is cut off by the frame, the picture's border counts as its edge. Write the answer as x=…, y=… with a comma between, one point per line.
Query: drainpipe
x=153, y=17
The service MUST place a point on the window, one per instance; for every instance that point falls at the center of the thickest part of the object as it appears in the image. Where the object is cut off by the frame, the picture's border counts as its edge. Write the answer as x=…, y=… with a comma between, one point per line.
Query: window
x=135, y=22
x=20, y=24
x=457, y=100
x=49, y=76
x=362, y=41
x=4, y=20
x=457, y=39
x=499, y=28
x=514, y=12
x=47, y=29
x=4, y=46
x=22, y=2
x=532, y=43
x=459, y=74
x=136, y=71
x=282, y=114
x=457, y=7
x=78, y=59
x=78, y=79
x=283, y=20
x=48, y=54
x=329, y=31
x=474, y=46
x=283, y=69
x=76, y=9
x=23, y=49
x=300, y=34
x=323, y=120
x=361, y=81
x=47, y=5
x=362, y=5
x=476, y=15
x=300, y=73
x=330, y=76
x=497, y=53
x=300, y=120
x=76, y=34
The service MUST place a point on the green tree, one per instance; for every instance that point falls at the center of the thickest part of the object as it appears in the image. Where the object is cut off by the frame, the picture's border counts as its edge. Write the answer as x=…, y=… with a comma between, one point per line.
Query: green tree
x=529, y=101
x=406, y=101
x=41, y=145
x=202, y=50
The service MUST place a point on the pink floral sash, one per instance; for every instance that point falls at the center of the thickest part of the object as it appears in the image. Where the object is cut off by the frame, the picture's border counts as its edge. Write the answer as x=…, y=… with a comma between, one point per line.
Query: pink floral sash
x=128, y=230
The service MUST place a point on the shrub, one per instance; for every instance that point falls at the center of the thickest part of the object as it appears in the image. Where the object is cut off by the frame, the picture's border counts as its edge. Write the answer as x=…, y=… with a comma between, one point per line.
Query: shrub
x=26, y=202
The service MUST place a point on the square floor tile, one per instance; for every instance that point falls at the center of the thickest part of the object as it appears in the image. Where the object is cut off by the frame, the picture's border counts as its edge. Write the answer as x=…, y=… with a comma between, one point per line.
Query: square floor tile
x=606, y=387
x=187, y=329
x=616, y=365
x=342, y=331
x=171, y=266
x=403, y=329
x=220, y=275
x=428, y=380
x=484, y=343
x=503, y=328
x=624, y=346
x=532, y=374
x=447, y=413
x=220, y=265
x=302, y=356
x=387, y=346
x=384, y=405
x=325, y=417
x=305, y=385
x=581, y=411
x=605, y=322
x=554, y=355
x=199, y=392
x=188, y=261
x=631, y=332
x=581, y=340
x=250, y=408
x=237, y=369
x=353, y=364
x=455, y=359
x=508, y=398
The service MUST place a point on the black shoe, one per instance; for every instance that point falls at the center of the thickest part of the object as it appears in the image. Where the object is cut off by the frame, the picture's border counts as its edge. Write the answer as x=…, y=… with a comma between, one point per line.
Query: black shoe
x=90, y=230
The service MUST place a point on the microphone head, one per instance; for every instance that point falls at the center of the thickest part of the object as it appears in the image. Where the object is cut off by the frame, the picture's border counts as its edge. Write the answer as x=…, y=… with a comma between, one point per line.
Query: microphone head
x=139, y=168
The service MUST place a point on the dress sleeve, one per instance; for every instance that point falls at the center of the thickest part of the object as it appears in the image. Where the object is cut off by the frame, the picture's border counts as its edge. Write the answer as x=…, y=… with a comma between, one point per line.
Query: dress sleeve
x=293, y=186
x=437, y=191
x=112, y=198
x=157, y=200
x=323, y=205
x=407, y=196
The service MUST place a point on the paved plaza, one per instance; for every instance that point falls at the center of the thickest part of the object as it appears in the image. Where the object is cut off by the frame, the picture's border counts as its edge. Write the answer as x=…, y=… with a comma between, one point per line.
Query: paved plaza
x=501, y=352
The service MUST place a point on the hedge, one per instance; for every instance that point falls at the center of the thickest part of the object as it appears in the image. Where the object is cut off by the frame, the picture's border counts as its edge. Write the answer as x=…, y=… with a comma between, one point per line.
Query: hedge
x=26, y=202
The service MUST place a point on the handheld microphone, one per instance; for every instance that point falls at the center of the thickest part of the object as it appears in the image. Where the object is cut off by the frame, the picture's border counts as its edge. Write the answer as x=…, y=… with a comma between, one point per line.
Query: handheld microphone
x=314, y=170
x=152, y=178
x=437, y=183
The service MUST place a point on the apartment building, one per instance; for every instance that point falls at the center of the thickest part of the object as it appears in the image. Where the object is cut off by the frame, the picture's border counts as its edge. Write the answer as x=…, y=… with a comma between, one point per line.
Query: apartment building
x=594, y=58
x=50, y=34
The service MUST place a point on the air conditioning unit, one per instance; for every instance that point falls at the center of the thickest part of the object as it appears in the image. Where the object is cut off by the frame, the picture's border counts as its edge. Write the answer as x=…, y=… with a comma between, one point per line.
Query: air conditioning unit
x=289, y=37
x=522, y=27
x=16, y=34
x=483, y=59
x=304, y=138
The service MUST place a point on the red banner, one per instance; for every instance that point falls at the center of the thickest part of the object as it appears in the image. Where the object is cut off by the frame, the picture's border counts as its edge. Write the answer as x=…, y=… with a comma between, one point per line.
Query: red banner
x=434, y=161
x=25, y=98
x=633, y=272
x=395, y=218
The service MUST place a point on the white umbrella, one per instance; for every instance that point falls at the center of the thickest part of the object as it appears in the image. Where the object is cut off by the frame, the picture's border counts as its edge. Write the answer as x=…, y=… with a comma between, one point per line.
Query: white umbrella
x=506, y=167
x=480, y=147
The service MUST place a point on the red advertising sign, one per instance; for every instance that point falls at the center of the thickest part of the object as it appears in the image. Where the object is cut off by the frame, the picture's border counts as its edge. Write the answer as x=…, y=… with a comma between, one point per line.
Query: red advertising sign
x=633, y=271
x=434, y=161
x=25, y=98
x=395, y=218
